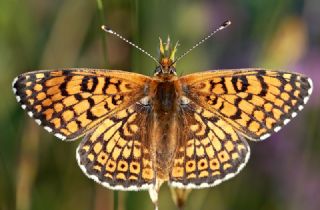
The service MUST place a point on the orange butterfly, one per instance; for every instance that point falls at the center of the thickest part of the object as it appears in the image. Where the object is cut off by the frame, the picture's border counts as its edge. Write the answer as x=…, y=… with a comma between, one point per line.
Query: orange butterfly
x=141, y=131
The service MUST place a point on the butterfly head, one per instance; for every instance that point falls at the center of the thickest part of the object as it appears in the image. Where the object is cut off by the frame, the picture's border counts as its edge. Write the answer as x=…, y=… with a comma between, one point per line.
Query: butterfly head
x=166, y=59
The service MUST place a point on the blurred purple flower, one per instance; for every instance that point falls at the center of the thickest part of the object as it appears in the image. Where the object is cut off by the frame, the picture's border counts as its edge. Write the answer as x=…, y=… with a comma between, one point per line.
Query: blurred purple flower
x=310, y=66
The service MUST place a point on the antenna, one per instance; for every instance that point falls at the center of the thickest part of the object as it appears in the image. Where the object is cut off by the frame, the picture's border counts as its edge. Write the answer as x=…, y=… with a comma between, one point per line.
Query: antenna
x=110, y=31
x=221, y=27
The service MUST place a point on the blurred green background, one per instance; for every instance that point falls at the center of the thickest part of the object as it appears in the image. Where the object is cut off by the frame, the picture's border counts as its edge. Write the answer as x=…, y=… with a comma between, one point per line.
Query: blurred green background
x=37, y=171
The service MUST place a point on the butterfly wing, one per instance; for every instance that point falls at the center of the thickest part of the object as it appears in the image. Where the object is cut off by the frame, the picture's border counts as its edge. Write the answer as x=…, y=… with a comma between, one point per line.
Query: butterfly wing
x=116, y=154
x=210, y=150
x=255, y=102
x=70, y=102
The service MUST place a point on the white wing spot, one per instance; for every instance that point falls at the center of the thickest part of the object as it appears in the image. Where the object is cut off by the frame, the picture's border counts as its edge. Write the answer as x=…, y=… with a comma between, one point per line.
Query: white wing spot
x=23, y=106
x=278, y=128
x=48, y=129
x=294, y=114
x=14, y=82
x=30, y=114
x=311, y=86
x=286, y=121
x=60, y=136
x=38, y=121
x=18, y=98
x=305, y=100
x=263, y=137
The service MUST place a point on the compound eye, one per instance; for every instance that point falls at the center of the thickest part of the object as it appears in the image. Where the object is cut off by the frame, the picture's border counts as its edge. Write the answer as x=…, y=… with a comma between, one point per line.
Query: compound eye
x=184, y=100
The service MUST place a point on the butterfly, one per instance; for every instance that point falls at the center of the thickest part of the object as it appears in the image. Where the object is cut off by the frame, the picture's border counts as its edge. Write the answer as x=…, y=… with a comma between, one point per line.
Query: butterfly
x=142, y=131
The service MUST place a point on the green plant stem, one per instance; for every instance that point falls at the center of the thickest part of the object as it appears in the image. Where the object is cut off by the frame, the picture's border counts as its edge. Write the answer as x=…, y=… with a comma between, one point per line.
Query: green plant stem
x=104, y=50
x=115, y=200
x=103, y=36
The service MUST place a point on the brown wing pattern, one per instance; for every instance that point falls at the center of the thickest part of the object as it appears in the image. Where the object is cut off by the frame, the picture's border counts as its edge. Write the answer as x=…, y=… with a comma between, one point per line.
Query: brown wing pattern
x=255, y=102
x=116, y=154
x=70, y=102
x=210, y=150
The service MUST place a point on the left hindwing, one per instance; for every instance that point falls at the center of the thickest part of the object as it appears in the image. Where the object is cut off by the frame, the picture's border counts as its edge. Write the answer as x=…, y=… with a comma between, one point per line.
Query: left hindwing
x=255, y=102
x=117, y=153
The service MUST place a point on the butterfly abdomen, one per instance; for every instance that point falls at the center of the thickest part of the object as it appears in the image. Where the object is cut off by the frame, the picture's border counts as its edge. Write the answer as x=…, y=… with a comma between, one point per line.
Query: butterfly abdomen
x=164, y=127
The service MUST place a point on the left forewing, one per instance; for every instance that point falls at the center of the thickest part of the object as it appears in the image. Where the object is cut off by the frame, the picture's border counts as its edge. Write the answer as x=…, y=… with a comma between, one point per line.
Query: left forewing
x=70, y=102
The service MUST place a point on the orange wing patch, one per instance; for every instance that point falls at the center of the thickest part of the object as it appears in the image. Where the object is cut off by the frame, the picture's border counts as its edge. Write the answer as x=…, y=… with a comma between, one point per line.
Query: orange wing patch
x=71, y=102
x=116, y=153
x=255, y=102
x=210, y=152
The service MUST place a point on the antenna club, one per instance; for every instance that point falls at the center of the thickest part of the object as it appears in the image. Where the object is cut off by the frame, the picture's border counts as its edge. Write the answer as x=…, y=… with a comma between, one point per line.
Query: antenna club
x=106, y=29
x=226, y=23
